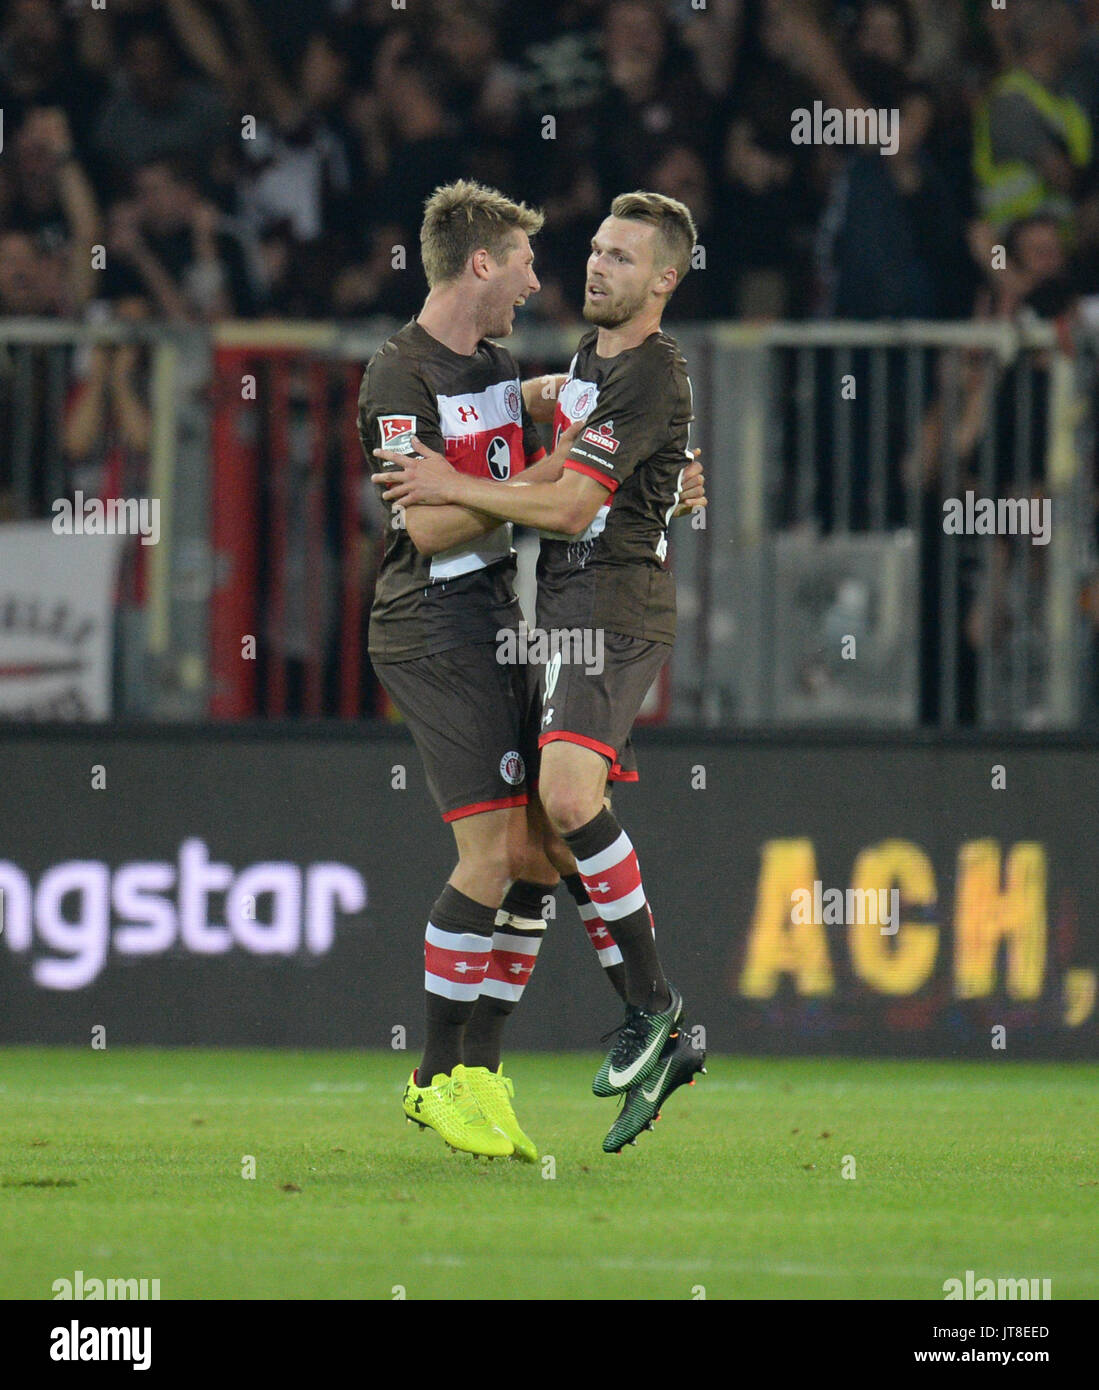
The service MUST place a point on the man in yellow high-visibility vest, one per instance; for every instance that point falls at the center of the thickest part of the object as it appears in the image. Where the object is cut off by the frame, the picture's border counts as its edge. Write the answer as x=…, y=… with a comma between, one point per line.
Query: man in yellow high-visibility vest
x=1031, y=144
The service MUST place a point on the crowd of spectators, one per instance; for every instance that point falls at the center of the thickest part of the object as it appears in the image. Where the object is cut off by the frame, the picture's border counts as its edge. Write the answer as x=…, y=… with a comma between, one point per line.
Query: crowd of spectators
x=241, y=158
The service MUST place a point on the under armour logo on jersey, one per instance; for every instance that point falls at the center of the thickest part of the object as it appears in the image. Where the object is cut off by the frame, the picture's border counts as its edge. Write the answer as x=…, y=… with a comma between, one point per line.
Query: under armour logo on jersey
x=468, y=412
x=547, y=717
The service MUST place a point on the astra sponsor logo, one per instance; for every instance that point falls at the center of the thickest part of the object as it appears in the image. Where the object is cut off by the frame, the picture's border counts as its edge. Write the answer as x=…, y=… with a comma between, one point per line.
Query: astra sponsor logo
x=603, y=437
x=80, y=1288
x=76, y=1343
x=118, y=516
x=564, y=646
x=81, y=909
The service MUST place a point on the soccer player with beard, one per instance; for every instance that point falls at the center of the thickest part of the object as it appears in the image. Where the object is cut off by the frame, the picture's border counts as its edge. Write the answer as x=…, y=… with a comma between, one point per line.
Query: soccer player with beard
x=605, y=571
x=444, y=594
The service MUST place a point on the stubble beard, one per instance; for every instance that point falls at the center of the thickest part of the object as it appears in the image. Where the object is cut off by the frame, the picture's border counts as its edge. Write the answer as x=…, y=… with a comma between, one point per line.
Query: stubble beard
x=609, y=313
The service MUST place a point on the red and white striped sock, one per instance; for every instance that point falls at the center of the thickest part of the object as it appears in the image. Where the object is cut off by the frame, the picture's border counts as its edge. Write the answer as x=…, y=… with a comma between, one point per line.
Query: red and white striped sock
x=455, y=963
x=599, y=934
x=514, y=952
x=457, y=949
x=516, y=941
x=608, y=868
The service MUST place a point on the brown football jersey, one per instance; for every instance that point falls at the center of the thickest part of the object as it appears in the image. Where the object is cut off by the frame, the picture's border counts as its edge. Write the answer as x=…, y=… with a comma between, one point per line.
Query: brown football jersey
x=637, y=413
x=470, y=409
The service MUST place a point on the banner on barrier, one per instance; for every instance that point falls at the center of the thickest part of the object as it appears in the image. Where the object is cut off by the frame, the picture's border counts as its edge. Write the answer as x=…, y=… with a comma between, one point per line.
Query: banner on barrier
x=56, y=614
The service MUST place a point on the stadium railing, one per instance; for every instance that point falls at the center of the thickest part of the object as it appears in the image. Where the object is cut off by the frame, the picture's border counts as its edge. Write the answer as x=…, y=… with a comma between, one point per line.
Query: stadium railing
x=821, y=590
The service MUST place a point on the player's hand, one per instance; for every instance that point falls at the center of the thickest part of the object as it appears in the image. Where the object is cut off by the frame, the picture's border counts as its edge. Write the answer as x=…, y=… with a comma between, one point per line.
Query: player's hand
x=693, y=491
x=428, y=479
x=567, y=438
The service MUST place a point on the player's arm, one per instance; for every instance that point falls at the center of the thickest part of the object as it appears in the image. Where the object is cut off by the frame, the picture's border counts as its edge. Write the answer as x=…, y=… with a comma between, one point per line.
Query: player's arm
x=692, y=493
x=540, y=396
x=542, y=496
x=434, y=529
x=540, y=467
x=390, y=391
x=459, y=525
x=566, y=506
x=546, y=470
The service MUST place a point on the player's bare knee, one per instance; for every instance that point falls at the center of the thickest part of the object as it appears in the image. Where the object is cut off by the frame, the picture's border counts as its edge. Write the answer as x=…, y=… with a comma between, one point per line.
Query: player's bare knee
x=528, y=862
x=567, y=808
x=491, y=864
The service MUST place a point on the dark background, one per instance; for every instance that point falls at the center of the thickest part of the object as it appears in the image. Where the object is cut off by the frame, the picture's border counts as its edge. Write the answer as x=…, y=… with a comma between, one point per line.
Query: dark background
x=257, y=794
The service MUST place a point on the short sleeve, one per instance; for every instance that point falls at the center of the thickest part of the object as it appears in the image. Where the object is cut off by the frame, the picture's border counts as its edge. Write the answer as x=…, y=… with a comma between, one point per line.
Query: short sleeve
x=395, y=403
x=626, y=427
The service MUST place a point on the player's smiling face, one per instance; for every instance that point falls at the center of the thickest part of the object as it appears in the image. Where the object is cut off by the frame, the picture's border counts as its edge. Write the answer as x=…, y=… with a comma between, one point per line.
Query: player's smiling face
x=621, y=275
x=510, y=282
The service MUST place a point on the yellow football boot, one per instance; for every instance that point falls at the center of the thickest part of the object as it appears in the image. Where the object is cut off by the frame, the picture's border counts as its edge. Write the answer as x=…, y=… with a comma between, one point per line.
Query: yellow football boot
x=493, y=1092
x=450, y=1108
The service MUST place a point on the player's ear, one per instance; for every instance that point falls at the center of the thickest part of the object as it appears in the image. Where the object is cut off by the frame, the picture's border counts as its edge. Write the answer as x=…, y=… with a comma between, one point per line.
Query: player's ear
x=479, y=261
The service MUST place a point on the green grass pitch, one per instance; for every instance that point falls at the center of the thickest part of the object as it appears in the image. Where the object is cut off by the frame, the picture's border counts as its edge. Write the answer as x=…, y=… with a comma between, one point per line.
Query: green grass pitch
x=128, y=1164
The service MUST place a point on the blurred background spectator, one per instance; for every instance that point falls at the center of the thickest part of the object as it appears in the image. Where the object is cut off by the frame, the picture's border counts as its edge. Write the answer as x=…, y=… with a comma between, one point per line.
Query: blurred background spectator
x=242, y=159
x=194, y=161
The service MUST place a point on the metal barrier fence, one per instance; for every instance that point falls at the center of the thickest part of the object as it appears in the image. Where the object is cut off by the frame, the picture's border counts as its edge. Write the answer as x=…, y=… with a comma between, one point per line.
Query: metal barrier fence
x=286, y=475
x=825, y=588
x=847, y=442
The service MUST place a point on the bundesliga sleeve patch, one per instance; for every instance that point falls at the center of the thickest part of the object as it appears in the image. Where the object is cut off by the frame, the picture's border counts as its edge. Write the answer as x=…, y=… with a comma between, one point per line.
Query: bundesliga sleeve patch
x=602, y=438
x=397, y=432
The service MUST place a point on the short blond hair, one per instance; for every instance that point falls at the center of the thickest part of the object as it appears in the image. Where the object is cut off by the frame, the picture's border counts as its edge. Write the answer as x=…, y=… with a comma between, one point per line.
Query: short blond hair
x=675, y=227
x=463, y=217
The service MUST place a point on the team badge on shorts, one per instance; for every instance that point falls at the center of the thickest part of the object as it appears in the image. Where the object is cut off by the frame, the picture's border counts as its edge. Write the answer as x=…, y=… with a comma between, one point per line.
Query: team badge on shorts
x=512, y=769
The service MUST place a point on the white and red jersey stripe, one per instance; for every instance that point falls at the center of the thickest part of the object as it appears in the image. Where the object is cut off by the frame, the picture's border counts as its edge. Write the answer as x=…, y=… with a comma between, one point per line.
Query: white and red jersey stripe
x=575, y=401
x=473, y=421
x=483, y=436
x=455, y=964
